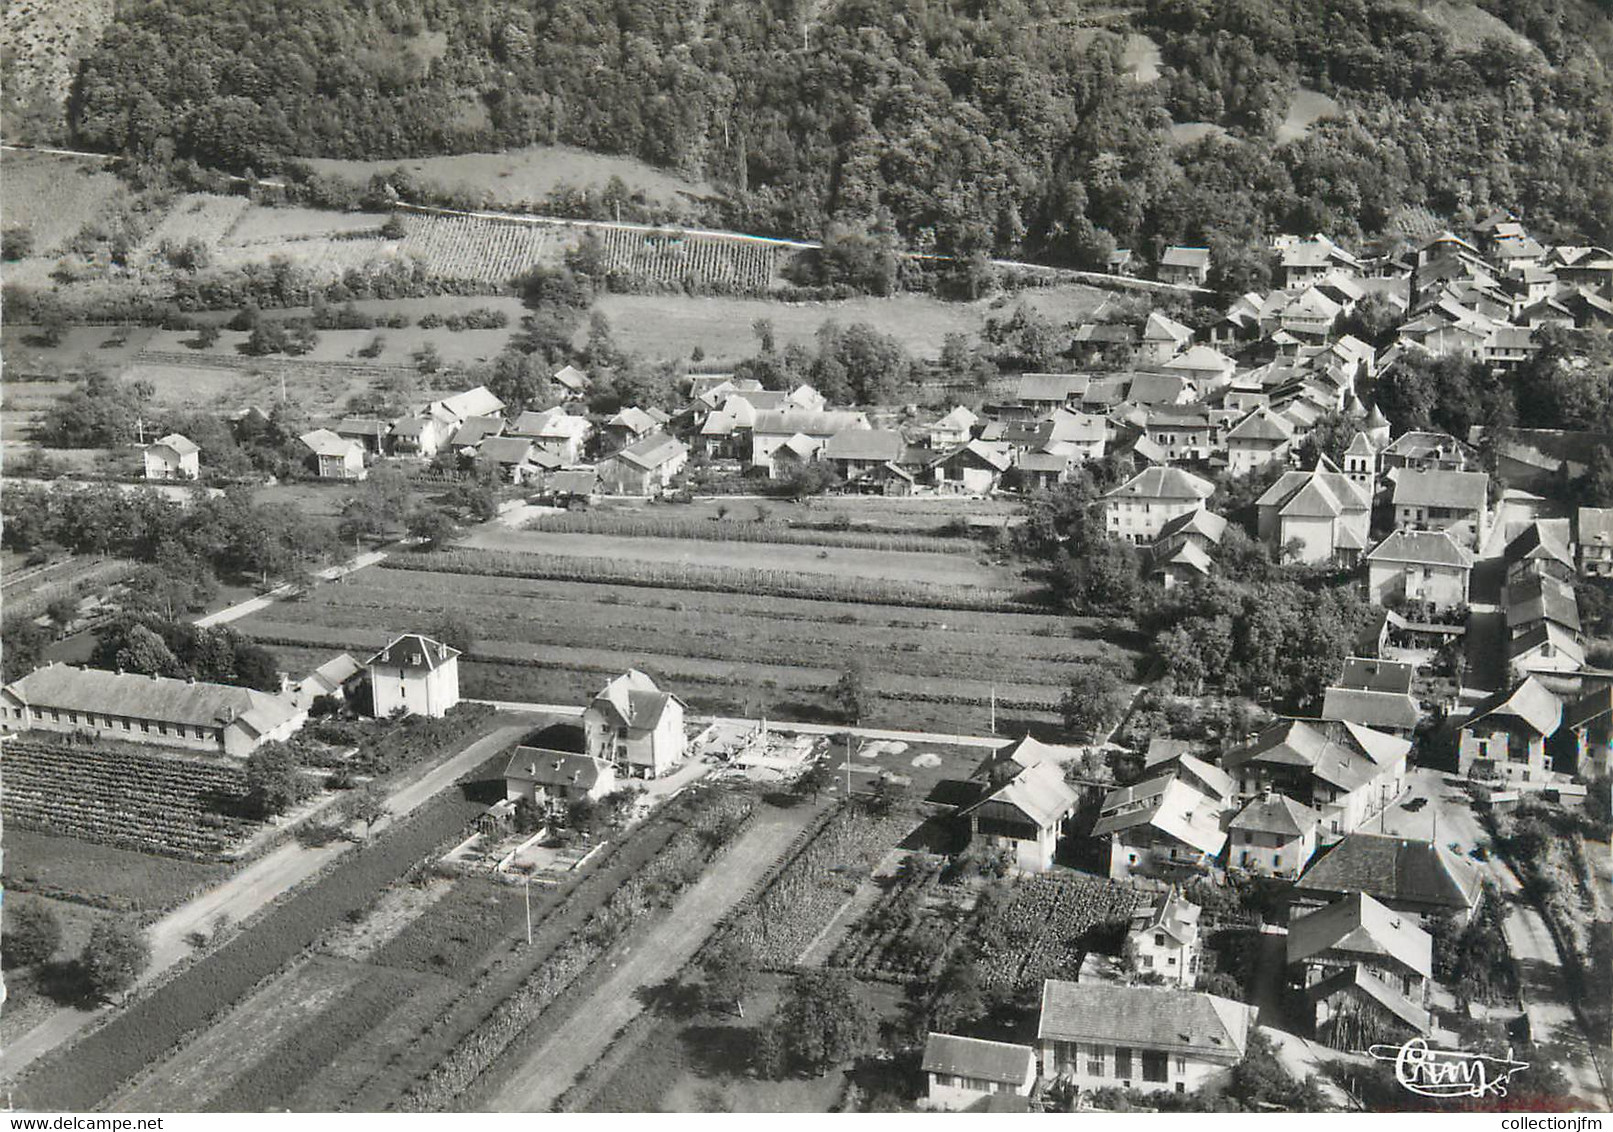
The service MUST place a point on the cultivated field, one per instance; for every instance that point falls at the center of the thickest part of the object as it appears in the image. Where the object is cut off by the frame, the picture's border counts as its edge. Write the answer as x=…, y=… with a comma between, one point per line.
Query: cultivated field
x=54, y=197
x=557, y=638
x=673, y=325
x=523, y=177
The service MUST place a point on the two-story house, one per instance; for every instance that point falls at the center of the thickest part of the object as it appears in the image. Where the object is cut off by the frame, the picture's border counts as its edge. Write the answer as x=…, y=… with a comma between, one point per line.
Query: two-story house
x=1428, y=567
x=1364, y=968
x=1316, y=516
x=1505, y=737
x=1593, y=530
x=1344, y=771
x=1165, y=827
x=414, y=674
x=1164, y=939
x=1139, y=508
x=172, y=457
x=1022, y=804
x=1457, y=502
x=636, y=726
x=1259, y=439
x=1273, y=835
x=1405, y=874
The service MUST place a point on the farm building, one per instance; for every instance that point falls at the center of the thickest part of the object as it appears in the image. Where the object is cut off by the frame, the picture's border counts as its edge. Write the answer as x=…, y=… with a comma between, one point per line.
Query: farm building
x=1098, y=1035
x=1186, y=266
x=634, y=725
x=962, y=1071
x=461, y=407
x=334, y=678
x=1164, y=827
x=1418, y=878
x=1455, y=502
x=1023, y=804
x=515, y=458
x=135, y=708
x=370, y=433
x=1590, y=721
x=173, y=457
x=414, y=674
x=1344, y=771
x=974, y=468
x=573, y=383
x=556, y=777
x=419, y=436
x=1375, y=693
x=556, y=432
x=1139, y=508
x=1164, y=939
x=645, y=468
x=629, y=426
x=333, y=457
x=1357, y=930
x=858, y=451
x=564, y=488
x=473, y=430
x=776, y=428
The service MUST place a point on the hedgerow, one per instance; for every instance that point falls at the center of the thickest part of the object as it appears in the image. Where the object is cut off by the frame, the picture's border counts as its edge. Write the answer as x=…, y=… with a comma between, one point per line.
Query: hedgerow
x=640, y=525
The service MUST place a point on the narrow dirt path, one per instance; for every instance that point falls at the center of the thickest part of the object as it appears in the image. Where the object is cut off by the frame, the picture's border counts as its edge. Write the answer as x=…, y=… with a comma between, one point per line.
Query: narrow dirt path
x=582, y=1039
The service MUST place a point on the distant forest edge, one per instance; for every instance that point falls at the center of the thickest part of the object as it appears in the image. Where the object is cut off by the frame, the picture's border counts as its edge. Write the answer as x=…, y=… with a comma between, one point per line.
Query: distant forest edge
x=957, y=127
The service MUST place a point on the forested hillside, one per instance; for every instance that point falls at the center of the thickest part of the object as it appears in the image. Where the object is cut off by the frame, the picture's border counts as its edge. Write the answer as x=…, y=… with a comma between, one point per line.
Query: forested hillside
x=1009, y=126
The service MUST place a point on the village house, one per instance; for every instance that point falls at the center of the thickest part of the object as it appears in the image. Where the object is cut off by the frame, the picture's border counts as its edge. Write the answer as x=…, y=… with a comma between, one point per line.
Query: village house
x=556, y=778
x=1163, y=339
x=1182, y=553
x=415, y=675
x=1164, y=827
x=172, y=457
x=645, y=468
x=157, y=710
x=1272, y=835
x=1164, y=939
x=1138, y=509
x=1343, y=770
x=962, y=1072
x=629, y=426
x=421, y=437
x=1593, y=533
x=1589, y=721
x=1456, y=502
x=1315, y=517
x=975, y=468
x=572, y=382
x=335, y=678
x=1037, y=471
x=1185, y=266
x=957, y=427
x=1543, y=627
x=1427, y=567
x=1154, y=1039
x=332, y=457
x=461, y=407
x=556, y=432
x=1308, y=261
x=1410, y=876
x=1365, y=969
x=472, y=431
x=636, y=726
x=1023, y=804
x=1375, y=693
x=1540, y=550
x=1257, y=440
x=1041, y=393
x=1182, y=432
x=1505, y=737
x=1427, y=452
x=803, y=431
x=858, y=451
x=516, y=459
x=1077, y=436
x=370, y=433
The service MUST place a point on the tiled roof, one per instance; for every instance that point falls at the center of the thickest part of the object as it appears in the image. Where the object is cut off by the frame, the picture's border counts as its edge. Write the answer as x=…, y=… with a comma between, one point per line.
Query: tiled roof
x=1152, y=1018
x=362, y=426
x=1163, y=483
x=865, y=444
x=1051, y=386
x=572, y=378
x=506, y=449
x=1529, y=701
x=958, y=1056
x=157, y=698
x=475, y=430
x=652, y=451
x=1372, y=674
x=415, y=651
x=1382, y=993
x=1163, y=328
x=1343, y=754
x=812, y=423
x=1179, y=256
x=634, y=700
x=1199, y=521
x=478, y=402
x=1542, y=598
x=1440, y=488
x=1395, y=710
x=1394, y=869
x=1591, y=706
x=1423, y=548
x=634, y=420
x=1359, y=925
x=1167, y=804
x=556, y=768
x=1262, y=424
x=184, y=446
x=324, y=442
x=1277, y=813
x=1039, y=792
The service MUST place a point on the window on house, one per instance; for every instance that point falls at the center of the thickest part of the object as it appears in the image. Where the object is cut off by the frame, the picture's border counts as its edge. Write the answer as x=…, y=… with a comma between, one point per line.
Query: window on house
x=1095, y=1061
x=1122, y=1062
x=1159, y=939
x=1154, y=1066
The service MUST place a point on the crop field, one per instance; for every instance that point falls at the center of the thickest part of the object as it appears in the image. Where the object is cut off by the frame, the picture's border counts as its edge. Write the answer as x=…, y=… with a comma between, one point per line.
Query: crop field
x=53, y=197
x=678, y=524
x=102, y=875
x=557, y=640
x=894, y=566
x=203, y=217
x=673, y=325
x=1051, y=922
x=523, y=177
x=157, y=803
x=732, y=265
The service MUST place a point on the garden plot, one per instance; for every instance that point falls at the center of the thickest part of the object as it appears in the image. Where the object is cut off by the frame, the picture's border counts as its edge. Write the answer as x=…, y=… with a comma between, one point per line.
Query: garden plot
x=1050, y=923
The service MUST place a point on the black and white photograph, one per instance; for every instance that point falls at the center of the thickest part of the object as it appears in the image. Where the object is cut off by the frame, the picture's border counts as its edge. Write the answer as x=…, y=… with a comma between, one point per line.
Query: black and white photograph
x=805, y=557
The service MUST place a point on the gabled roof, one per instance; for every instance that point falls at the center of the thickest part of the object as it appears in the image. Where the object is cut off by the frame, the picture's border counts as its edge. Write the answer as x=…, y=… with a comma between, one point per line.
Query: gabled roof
x=814, y=423
x=652, y=451
x=992, y=456
x=1593, y=705
x=184, y=446
x=414, y=651
x=978, y=1059
x=1174, y=915
x=1394, y=870
x=1358, y=977
x=1279, y=814
x=334, y=673
x=865, y=444
x=1370, y=674
x=415, y=426
x=1393, y=710
x=563, y=426
x=1022, y=754
x=634, y=420
x=1200, y=521
x=324, y=442
x=1202, y=359
x=633, y=700
x=960, y=417
x=506, y=449
x=1561, y=642
x=1542, y=597
x=1163, y=328
x=1154, y=1018
x=563, y=769
x=1039, y=792
x=1422, y=548
x=1343, y=754
x=1359, y=925
x=572, y=378
x=360, y=426
x=1179, y=256
x=1262, y=424
x=478, y=402
x=475, y=430
x=1542, y=539
x=1169, y=805
x=1323, y=491
x=1158, y=389
x=1163, y=483
x=1056, y=387
x=157, y=698
x=1528, y=702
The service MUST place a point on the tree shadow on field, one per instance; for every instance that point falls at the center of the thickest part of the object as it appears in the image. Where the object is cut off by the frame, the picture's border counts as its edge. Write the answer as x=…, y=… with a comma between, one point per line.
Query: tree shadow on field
x=672, y=998
x=66, y=983
x=719, y=1050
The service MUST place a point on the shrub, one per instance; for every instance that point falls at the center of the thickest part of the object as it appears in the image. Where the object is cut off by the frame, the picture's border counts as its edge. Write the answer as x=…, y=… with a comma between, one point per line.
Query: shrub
x=115, y=956
x=32, y=935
